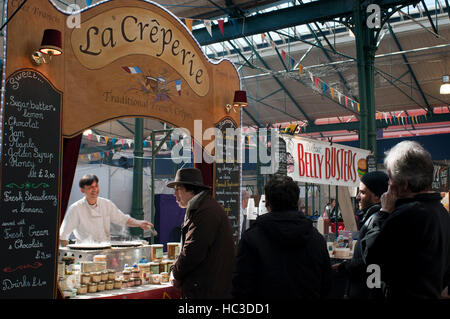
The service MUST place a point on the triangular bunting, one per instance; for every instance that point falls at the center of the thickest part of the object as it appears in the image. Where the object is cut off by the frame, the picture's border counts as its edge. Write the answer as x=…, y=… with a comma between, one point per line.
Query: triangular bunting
x=300, y=69
x=283, y=54
x=221, y=26
x=208, y=26
x=188, y=23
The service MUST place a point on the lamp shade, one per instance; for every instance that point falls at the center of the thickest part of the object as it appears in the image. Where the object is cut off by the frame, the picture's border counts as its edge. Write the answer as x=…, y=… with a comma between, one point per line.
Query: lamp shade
x=51, y=42
x=445, y=86
x=240, y=98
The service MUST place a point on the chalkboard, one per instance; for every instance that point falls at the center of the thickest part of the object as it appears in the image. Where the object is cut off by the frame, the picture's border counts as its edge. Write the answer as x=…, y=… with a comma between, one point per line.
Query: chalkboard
x=30, y=166
x=226, y=175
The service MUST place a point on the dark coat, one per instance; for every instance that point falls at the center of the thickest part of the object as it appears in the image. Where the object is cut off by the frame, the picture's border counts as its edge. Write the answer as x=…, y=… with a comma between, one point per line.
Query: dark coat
x=356, y=268
x=282, y=256
x=412, y=248
x=206, y=261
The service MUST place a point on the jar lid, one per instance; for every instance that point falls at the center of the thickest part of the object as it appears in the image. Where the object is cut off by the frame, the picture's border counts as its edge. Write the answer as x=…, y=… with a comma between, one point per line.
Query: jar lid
x=92, y=284
x=153, y=263
x=126, y=272
x=157, y=245
x=110, y=282
x=111, y=271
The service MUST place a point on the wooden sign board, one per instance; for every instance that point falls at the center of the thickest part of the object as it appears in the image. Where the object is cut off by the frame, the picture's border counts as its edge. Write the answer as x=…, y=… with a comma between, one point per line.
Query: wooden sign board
x=127, y=58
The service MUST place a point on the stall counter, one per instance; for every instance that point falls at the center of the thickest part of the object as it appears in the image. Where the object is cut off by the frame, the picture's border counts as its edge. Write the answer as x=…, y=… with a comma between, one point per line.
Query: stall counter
x=162, y=291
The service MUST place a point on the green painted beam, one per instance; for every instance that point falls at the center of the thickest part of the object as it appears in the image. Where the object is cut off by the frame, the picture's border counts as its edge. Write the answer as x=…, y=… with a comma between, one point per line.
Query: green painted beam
x=324, y=10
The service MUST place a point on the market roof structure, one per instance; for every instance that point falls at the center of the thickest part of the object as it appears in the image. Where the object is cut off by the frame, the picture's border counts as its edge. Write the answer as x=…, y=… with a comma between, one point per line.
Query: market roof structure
x=298, y=62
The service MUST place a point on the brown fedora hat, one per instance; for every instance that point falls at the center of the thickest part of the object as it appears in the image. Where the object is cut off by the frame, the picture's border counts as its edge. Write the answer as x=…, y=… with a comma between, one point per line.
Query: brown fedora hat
x=191, y=176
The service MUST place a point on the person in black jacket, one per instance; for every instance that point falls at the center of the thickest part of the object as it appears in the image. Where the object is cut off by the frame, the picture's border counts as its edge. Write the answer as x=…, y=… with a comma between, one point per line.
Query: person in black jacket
x=371, y=187
x=282, y=256
x=412, y=246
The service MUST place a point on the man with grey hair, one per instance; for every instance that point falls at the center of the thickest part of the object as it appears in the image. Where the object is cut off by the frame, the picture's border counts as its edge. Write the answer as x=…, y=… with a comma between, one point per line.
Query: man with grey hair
x=412, y=247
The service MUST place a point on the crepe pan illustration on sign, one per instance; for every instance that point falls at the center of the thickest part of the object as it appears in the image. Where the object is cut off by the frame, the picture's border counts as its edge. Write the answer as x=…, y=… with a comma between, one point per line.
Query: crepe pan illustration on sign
x=154, y=85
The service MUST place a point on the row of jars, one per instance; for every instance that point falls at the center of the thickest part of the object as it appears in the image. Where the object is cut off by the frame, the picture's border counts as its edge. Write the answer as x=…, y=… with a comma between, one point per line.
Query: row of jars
x=120, y=283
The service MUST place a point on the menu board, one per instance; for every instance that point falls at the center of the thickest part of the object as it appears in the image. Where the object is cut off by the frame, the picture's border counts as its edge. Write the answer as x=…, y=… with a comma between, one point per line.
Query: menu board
x=226, y=175
x=30, y=164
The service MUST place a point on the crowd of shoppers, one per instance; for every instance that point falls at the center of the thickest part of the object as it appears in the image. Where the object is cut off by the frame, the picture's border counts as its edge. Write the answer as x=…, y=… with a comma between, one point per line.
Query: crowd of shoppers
x=404, y=235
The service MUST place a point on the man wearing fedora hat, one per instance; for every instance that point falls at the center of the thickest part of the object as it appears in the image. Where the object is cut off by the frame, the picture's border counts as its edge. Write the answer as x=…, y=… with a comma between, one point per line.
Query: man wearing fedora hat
x=205, y=264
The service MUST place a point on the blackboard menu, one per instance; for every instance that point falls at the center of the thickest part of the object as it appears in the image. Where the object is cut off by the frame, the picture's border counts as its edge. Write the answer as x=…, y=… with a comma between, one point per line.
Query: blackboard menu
x=226, y=174
x=30, y=159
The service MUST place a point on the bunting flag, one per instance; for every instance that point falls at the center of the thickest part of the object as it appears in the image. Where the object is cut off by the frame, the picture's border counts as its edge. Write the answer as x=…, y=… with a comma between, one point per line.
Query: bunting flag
x=339, y=96
x=311, y=76
x=88, y=2
x=132, y=69
x=263, y=37
x=346, y=101
x=188, y=23
x=292, y=62
x=221, y=26
x=208, y=26
x=129, y=143
x=357, y=105
x=106, y=139
x=300, y=69
x=332, y=92
x=324, y=87
x=178, y=85
x=283, y=54
x=98, y=138
x=317, y=83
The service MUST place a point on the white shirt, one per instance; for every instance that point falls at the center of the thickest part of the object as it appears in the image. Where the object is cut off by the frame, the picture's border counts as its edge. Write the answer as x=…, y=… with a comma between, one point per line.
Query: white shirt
x=91, y=222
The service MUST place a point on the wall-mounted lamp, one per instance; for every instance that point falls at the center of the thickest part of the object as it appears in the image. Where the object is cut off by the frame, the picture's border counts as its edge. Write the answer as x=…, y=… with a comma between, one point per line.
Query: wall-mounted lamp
x=240, y=100
x=51, y=45
x=445, y=86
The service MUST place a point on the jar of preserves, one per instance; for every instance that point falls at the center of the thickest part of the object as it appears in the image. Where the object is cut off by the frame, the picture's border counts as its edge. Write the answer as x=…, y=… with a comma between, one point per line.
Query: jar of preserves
x=164, y=277
x=105, y=275
x=96, y=276
x=137, y=281
x=135, y=274
x=101, y=286
x=82, y=290
x=131, y=283
x=117, y=284
x=109, y=285
x=111, y=274
x=92, y=287
x=85, y=278
x=124, y=283
x=126, y=274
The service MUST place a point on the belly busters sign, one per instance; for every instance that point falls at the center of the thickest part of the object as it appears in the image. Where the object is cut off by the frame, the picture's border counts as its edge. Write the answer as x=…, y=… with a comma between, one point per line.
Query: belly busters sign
x=324, y=163
x=123, y=31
